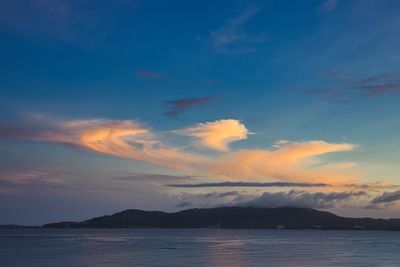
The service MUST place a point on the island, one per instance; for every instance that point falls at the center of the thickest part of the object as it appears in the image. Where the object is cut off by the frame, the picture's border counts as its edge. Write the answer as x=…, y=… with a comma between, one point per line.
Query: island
x=281, y=218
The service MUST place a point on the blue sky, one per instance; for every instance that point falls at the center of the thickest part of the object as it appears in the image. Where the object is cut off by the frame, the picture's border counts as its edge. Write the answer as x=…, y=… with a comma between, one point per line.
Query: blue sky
x=206, y=81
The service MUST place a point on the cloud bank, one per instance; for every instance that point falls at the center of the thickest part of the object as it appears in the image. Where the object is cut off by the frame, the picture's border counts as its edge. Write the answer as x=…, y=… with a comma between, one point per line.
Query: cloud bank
x=385, y=199
x=295, y=198
x=292, y=198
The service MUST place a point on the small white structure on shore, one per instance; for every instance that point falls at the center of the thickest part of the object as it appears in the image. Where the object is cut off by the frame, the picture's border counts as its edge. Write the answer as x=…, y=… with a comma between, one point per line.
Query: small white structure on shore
x=280, y=227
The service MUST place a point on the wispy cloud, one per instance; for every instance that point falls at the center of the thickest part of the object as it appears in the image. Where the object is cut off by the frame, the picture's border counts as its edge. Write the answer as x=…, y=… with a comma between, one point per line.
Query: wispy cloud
x=372, y=90
x=371, y=187
x=248, y=184
x=328, y=6
x=287, y=161
x=152, y=75
x=25, y=180
x=375, y=78
x=179, y=106
x=355, y=87
x=377, y=85
x=67, y=21
x=232, y=38
x=154, y=177
x=123, y=138
x=28, y=176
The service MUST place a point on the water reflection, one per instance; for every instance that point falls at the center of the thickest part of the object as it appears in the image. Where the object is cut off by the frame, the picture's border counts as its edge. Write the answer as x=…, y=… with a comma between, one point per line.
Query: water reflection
x=201, y=247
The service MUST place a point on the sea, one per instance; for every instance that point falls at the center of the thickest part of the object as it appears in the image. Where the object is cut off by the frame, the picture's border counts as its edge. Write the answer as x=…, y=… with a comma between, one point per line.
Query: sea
x=197, y=247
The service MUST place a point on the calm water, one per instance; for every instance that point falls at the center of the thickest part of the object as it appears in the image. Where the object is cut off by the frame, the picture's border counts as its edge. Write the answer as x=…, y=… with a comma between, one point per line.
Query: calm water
x=203, y=247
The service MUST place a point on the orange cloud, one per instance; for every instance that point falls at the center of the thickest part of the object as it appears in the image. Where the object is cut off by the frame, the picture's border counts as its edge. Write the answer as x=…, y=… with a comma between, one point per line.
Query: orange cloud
x=128, y=139
x=125, y=139
x=291, y=161
x=288, y=161
x=218, y=134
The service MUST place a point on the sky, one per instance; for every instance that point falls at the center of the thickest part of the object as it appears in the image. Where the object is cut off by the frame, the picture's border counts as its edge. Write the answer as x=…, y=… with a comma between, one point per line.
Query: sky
x=171, y=105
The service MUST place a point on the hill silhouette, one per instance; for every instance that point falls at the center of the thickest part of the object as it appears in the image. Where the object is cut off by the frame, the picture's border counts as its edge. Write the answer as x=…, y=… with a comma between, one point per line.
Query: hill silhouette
x=233, y=217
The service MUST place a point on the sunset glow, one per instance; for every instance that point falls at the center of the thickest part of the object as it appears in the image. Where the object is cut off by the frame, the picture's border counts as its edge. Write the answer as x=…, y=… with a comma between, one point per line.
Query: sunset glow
x=170, y=105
